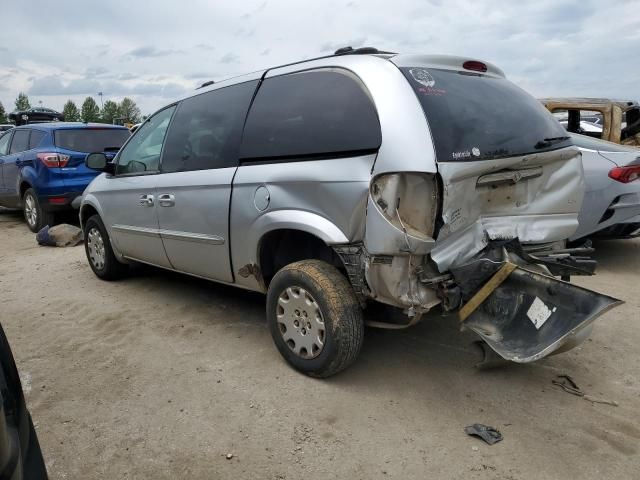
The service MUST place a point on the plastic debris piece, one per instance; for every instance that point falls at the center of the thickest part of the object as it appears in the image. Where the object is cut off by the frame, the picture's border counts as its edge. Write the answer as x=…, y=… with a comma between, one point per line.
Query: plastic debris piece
x=489, y=434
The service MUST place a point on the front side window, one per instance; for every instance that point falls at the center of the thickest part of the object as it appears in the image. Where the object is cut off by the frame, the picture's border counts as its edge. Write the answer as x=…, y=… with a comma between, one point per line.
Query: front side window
x=310, y=113
x=142, y=154
x=20, y=141
x=480, y=117
x=206, y=129
x=4, y=143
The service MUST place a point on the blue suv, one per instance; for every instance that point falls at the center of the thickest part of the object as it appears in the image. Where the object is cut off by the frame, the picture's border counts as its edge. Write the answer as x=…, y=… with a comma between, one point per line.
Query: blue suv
x=42, y=167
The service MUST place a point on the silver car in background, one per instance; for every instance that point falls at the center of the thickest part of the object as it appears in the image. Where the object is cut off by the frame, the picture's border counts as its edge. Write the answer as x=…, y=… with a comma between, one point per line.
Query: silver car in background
x=612, y=197
x=412, y=180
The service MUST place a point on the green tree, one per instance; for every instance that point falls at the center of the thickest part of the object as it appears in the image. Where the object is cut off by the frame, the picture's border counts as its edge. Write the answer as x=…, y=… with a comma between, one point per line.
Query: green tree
x=71, y=112
x=90, y=111
x=22, y=102
x=3, y=114
x=110, y=111
x=129, y=111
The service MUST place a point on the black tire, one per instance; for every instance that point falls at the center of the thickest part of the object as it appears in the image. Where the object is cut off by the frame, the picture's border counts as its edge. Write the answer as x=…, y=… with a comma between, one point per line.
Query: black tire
x=109, y=268
x=339, y=308
x=35, y=217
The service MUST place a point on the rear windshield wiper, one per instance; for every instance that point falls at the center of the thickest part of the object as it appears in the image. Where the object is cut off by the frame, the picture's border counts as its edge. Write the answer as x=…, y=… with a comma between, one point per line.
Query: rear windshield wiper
x=547, y=142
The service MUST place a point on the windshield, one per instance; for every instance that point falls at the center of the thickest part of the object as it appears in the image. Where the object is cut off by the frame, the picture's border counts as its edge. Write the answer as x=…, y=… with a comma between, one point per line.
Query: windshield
x=476, y=117
x=91, y=140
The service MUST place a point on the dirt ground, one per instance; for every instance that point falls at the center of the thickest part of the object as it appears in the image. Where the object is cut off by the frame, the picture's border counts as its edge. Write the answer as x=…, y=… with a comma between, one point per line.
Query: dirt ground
x=161, y=376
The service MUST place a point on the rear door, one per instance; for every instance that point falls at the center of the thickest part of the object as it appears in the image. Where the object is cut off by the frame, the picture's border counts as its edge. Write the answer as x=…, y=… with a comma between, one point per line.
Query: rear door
x=194, y=187
x=503, y=161
x=129, y=198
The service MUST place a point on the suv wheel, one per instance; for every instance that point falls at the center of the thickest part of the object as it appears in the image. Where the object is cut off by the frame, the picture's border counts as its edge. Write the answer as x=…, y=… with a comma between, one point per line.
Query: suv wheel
x=100, y=255
x=315, y=318
x=35, y=217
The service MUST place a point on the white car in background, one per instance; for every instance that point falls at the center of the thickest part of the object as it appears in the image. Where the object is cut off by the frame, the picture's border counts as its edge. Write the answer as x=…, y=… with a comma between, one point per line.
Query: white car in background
x=611, y=206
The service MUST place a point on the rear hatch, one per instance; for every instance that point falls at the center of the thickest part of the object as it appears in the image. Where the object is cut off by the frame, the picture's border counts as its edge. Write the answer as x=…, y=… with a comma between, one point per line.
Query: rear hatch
x=76, y=143
x=508, y=168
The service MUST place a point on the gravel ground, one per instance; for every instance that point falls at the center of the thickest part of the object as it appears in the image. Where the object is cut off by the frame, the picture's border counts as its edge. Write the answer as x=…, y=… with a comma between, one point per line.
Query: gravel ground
x=161, y=376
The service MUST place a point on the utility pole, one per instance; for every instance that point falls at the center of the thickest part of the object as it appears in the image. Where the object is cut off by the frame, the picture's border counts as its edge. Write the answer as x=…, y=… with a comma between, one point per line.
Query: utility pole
x=101, y=104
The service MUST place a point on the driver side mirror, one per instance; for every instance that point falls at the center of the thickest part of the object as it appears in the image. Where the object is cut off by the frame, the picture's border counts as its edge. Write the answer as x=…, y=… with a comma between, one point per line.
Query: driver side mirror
x=98, y=161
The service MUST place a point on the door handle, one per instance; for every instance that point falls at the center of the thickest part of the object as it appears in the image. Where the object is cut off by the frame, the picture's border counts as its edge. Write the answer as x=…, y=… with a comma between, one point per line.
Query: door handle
x=166, y=200
x=146, y=200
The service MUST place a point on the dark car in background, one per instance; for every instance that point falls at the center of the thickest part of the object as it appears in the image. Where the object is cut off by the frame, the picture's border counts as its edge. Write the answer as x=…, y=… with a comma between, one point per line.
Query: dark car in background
x=20, y=454
x=35, y=115
x=42, y=167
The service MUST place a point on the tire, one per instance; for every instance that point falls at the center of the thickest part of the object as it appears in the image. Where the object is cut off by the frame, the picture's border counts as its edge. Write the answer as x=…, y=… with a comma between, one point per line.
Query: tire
x=100, y=256
x=35, y=217
x=293, y=295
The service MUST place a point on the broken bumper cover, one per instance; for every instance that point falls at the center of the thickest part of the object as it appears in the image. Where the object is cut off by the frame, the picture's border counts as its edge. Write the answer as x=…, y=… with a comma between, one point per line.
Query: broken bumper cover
x=525, y=316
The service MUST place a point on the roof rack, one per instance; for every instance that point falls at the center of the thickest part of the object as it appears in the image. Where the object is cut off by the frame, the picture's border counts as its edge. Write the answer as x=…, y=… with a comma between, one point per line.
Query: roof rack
x=206, y=84
x=360, y=51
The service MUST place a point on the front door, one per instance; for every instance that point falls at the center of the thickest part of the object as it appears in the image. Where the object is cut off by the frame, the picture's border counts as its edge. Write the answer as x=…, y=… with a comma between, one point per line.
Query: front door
x=129, y=199
x=10, y=166
x=194, y=188
x=5, y=140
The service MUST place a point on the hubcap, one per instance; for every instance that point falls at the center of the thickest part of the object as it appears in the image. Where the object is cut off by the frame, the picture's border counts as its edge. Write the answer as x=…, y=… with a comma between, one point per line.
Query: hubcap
x=300, y=322
x=95, y=247
x=30, y=210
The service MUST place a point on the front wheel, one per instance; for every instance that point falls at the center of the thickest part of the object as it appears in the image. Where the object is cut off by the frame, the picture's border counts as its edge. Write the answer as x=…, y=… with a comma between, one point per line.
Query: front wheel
x=35, y=217
x=100, y=255
x=315, y=318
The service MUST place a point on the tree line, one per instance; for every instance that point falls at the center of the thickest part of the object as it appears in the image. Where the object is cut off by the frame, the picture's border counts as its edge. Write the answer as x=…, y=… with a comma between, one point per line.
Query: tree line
x=125, y=111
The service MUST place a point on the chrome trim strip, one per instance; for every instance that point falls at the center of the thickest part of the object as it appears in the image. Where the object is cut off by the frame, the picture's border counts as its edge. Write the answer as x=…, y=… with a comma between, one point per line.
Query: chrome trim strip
x=148, y=232
x=192, y=237
x=171, y=234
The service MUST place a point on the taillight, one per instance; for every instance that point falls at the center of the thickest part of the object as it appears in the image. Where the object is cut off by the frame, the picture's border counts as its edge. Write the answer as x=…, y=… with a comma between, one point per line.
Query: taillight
x=409, y=201
x=52, y=160
x=475, y=66
x=625, y=174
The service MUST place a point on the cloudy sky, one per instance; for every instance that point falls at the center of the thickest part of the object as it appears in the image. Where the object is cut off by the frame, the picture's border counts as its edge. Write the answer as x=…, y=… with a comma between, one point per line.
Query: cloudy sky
x=156, y=51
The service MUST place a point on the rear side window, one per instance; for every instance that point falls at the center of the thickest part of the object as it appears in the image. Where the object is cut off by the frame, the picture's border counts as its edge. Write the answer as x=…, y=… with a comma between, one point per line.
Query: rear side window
x=88, y=140
x=20, y=141
x=36, y=138
x=206, y=129
x=317, y=112
x=477, y=117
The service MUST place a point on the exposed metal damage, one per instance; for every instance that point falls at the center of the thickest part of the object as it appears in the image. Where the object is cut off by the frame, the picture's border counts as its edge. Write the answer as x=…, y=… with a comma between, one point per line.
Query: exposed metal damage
x=491, y=254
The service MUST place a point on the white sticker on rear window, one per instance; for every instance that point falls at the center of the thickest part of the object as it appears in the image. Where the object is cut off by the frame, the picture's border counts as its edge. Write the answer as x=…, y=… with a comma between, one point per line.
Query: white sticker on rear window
x=539, y=313
x=422, y=76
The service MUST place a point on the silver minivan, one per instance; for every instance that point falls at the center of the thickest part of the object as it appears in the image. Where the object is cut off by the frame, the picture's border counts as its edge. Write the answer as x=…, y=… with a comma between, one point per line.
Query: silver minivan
x=412, y=180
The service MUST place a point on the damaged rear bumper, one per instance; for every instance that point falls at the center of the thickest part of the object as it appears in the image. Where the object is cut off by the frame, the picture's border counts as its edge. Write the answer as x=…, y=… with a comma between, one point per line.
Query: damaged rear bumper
x=525, y=315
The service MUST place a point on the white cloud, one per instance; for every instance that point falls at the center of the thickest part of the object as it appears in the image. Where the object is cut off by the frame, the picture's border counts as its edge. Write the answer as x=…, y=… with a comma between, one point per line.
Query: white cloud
x=548, y=47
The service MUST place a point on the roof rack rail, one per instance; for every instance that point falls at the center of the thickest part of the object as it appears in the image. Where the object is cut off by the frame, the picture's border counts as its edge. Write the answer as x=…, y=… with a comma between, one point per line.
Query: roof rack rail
x=206, y=84
x=359, y=51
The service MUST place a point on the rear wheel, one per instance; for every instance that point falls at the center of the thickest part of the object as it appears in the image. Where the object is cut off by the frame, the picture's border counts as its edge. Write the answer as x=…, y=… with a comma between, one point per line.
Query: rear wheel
x=315, y=318
x=100, y=255
x=35, y=217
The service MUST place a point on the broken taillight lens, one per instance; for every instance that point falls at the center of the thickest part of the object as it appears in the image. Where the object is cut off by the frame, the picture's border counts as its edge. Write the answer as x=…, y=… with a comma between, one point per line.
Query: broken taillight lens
x=408, y=200
x=53, y=160
x=625, y=174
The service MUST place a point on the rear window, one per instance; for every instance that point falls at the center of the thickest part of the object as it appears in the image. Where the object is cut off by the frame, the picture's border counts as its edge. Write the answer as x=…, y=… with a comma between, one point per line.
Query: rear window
x=91, y=140
x=477, y=117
